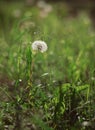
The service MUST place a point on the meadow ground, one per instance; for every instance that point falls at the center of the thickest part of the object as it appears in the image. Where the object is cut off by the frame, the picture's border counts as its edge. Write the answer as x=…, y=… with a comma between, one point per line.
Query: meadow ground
x=54, y=90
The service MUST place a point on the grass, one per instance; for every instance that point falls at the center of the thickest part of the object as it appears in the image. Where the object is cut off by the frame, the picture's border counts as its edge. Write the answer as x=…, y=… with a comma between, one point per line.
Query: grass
x=52, y=90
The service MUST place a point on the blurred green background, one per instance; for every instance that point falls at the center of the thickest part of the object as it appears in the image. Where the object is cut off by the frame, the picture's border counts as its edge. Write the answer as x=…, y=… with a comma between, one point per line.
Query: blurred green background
x=51, y=90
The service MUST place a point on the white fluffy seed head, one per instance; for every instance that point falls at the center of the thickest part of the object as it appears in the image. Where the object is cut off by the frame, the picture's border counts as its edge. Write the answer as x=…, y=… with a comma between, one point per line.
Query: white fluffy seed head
x=39, y=46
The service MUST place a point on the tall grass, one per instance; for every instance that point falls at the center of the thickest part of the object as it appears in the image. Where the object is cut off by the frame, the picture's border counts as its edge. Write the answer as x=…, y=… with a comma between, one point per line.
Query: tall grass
x=53, y=90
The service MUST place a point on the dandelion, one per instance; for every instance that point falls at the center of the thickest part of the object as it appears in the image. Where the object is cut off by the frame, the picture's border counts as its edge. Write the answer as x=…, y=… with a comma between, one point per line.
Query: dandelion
x=45, y=8
x=86, y=123
x=39, y=46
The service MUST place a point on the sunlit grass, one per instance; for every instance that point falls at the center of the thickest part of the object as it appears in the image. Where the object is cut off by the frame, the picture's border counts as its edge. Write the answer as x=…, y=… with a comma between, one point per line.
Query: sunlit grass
x=56, y=86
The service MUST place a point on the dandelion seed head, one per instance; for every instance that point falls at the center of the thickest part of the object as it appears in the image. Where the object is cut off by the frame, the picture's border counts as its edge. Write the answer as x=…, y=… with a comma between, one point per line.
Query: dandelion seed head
x=39, y=46
x=86, y=123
